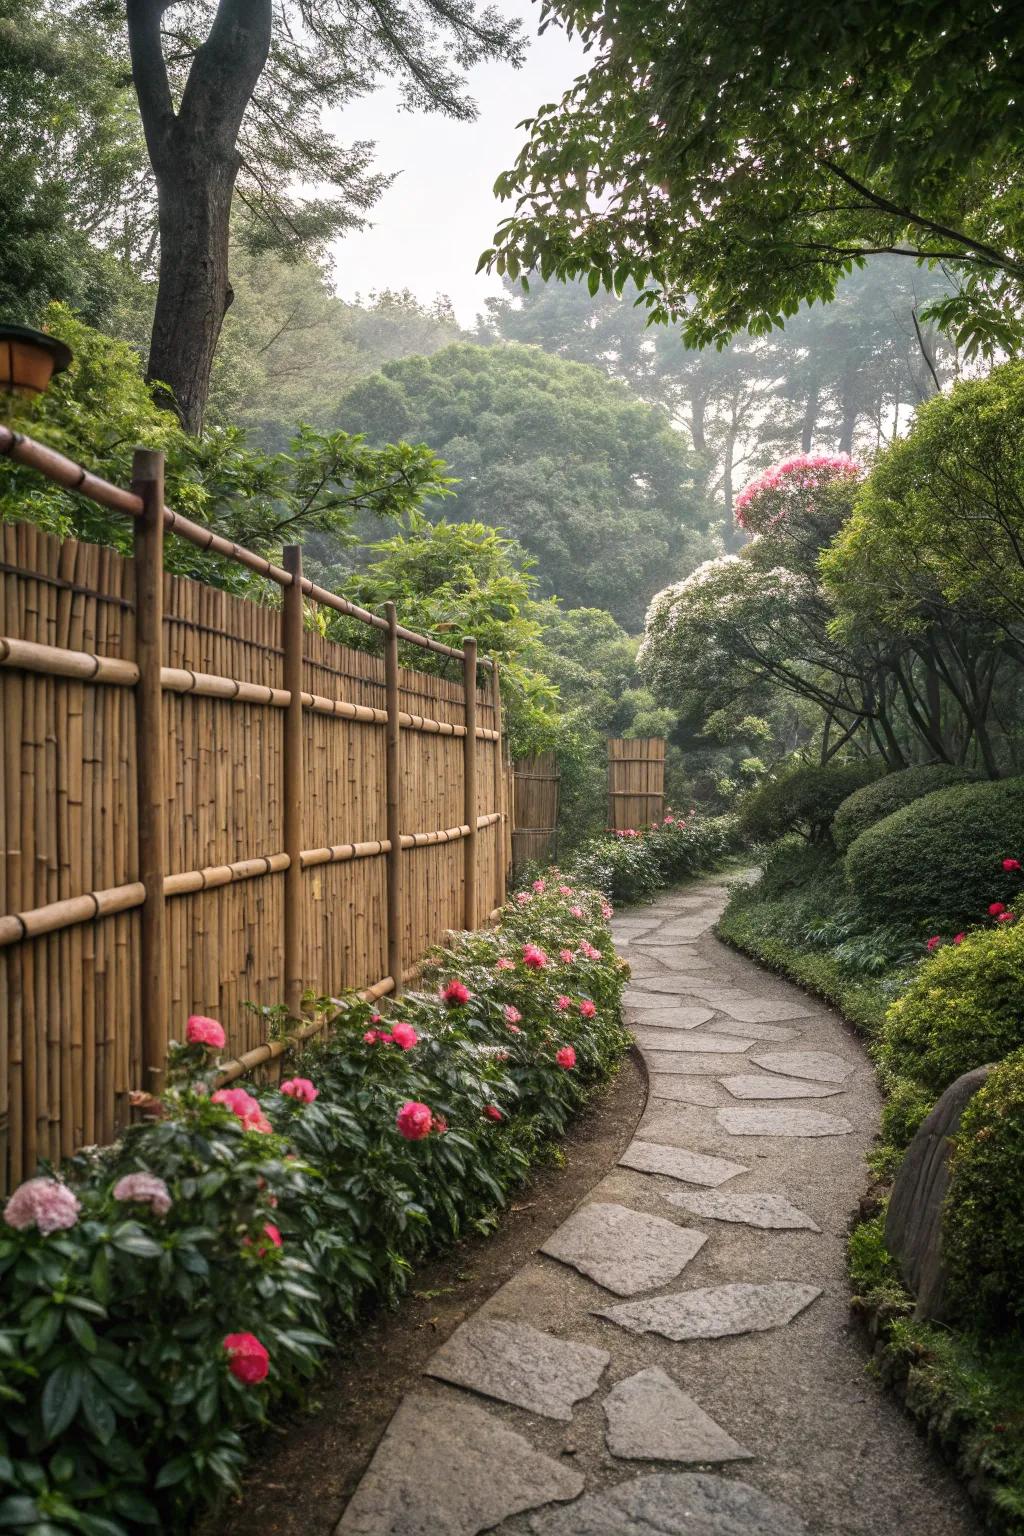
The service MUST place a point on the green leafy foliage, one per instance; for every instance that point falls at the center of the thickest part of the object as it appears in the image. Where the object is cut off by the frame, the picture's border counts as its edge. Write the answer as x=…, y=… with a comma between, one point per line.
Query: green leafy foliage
x=938, y=861
x=962, y=1010
x=633, y=866
x=121, y=1412
x=804, y=799
x=983, y=1220
x=874, y=801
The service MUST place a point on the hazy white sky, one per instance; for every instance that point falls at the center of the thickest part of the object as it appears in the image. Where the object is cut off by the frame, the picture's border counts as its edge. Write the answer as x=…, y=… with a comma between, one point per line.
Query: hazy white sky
x=429, y=228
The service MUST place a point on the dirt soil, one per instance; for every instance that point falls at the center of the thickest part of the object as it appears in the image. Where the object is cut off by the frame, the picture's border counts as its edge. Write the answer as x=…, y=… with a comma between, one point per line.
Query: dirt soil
x=305, y=1470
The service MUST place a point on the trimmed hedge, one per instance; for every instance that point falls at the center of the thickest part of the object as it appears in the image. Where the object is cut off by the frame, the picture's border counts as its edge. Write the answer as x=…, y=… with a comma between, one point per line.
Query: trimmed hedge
x=873, y=802
x=804, y=799
x=145, y=1324
x=983, y=1222
x=938, y=861
x=963, y=1009
x=633, y=866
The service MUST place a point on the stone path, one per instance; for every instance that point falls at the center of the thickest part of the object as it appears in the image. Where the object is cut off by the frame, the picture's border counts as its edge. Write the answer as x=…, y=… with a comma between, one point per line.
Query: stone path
x=677, y=1358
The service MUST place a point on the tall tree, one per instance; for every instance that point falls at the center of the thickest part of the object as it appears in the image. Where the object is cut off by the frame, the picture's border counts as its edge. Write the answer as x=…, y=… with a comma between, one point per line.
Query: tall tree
x=231, y=94
x=734, y=161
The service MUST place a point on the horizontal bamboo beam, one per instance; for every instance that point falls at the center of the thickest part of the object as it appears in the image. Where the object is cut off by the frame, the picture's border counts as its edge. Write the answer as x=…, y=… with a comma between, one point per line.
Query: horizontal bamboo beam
x=318, y=705
x=54, y=661
x=65, y=472
x=208, y=685
x=73, y=909
x=429, y=839
x=343, y=851
x=260, y=1054
x=214, y=875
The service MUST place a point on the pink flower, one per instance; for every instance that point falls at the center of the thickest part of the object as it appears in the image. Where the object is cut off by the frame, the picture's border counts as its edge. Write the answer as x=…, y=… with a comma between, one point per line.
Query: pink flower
x=272, y=1232
x=540, y=885
x=513, y=1029
x=46, y=1204
x=455, y=994
x=493, y=1112
x=373, y=1035
x=404, y=1036
x=505, y=964
x=535, y=958
x=770, y=496
x=144, y=1189
x=203, y=1031
x=440, y=1125
x=934, y=942
x=248, y=1361
x=512, y=1014
x=523, y=898
x=244, y=1106
x=587, y=1008
x=1010, y=864
x=414, y=1120
x=566, y=1057
x=565, y=890
x=300, y=1088
x=589, y=951
x=566, y=956
x=996, y=908
x=607, y=910
x=576, y=912
x=563, y=1003
x=958, y=938
x=1005, y=917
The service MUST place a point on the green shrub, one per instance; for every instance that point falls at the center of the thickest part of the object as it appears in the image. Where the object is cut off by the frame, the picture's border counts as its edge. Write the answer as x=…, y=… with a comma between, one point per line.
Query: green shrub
x=938, y=861
x=803, y=799
x=794, y=867
x=633, y=866
x=122, y=1407
x=964, y=1008
x=983, y=1222
x=873, y=802
x=906, y=1106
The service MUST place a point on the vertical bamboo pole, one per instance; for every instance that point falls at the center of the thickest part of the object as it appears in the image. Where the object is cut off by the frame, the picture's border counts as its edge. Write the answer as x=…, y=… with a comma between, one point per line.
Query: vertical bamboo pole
x=499, y=789
x=148, y=553
x=393, y=770
x=469, y=912
x=291, y=645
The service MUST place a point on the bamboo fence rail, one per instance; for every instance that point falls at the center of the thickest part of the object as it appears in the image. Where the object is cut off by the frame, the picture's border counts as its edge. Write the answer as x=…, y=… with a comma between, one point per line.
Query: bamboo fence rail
x=636, y=782
x=536, y=782
x=205, y=805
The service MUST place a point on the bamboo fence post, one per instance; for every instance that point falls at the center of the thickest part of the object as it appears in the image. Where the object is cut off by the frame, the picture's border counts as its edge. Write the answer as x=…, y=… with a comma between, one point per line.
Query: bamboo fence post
x=499, y=787
x=292, y=641
x=469, y=783
x=393, y=772
x=148, y=555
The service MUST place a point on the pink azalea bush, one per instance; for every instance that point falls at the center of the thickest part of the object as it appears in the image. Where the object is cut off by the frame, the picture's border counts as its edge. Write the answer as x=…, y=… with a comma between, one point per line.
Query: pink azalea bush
x=768, y=499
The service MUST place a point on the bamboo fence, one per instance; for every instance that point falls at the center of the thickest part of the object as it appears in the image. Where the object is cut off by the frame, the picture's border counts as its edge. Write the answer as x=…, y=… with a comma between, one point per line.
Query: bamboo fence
x=636, y=782
x=207, y=805
x=536, y=781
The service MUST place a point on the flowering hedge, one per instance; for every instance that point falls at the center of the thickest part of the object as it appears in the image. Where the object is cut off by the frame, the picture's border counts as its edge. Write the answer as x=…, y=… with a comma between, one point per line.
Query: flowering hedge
x=161, y=1296
x=633, y=865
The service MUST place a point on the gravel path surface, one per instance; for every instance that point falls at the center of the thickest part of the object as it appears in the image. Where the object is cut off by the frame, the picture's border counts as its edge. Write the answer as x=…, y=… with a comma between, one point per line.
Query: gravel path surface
x=678, y=1358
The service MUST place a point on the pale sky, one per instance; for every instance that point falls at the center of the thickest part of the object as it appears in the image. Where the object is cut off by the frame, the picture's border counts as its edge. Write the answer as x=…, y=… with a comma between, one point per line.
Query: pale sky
x=429, y=228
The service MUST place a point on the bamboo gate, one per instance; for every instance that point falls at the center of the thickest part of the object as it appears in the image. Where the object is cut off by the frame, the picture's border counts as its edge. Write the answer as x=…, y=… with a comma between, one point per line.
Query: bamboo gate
x=536, y=781
x=636, y=782
x=206, y=805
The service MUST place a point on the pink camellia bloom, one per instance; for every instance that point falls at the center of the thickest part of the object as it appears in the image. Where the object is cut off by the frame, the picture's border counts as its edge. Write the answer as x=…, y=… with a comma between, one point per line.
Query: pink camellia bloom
x=513, y=1029
x=523, y=898
x=539, y=886
x=958, y=938
x=272, y=1232
x=566, y=956
x=372, y=1036
x=996, y=908
x=46, y=1204
x=566, y=1057
x=300, y=1088
x=1010, y=864
x=1005, y=917
x=244, y=1106
x=607, y=910
x=535, y=958
x=576, y=912
x=563, y=1003
x=587, y=1008
x=505, y=964
x=589, y=951
x=414, y=1120
x=144, y=1189
x=455, y=994
x=203, y=1031
x=669, y=821
x=248, y=1361
x=512, y=1014
x=405, y=1036
x=565, y=890
x=934, y=942
x=493, y=1112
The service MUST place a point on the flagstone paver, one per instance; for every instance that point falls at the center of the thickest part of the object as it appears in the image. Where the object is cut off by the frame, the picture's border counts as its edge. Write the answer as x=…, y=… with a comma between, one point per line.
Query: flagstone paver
x=773, y=1212
x=650, y=1419
x=758, y=1334
x=782, y=1121
x=679, y=1163
x=625, y=1251
x=519, y=1364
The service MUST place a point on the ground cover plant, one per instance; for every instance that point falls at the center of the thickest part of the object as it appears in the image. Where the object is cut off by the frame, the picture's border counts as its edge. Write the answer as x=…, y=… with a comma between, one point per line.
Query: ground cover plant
x=161, y=1297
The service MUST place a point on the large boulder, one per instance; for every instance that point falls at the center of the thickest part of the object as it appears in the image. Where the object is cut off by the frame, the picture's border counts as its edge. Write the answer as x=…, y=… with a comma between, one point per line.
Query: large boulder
x=913, y=1225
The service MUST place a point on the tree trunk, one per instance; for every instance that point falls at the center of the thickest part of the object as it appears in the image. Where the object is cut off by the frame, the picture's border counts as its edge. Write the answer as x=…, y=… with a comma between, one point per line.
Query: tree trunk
x=810, y=420
x=194, y=292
